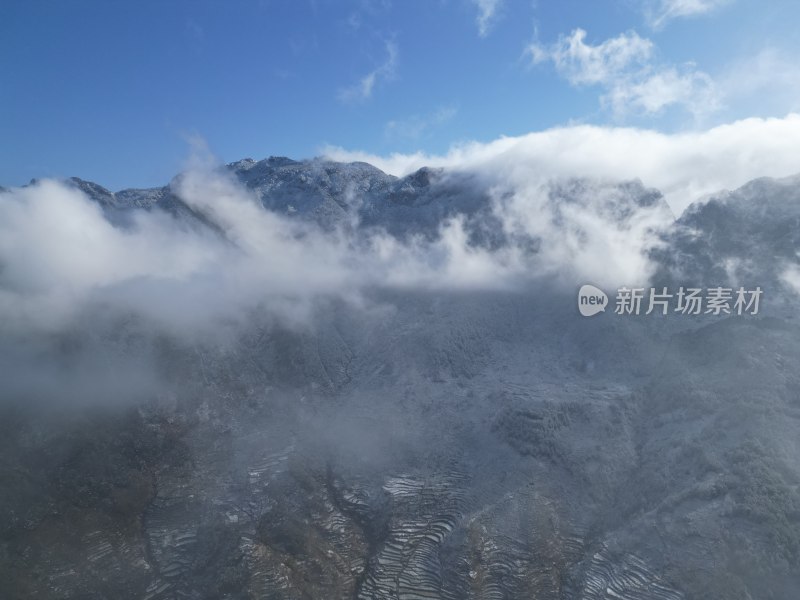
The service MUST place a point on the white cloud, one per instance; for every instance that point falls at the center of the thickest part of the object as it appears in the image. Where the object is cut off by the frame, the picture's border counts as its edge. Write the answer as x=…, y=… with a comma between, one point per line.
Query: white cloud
x=62, y=260
x=684, y=166
x=652, y=93
x=362, y=90
x=60, y=255
x=417, y=126
x=623, y=66
x=487, y=13
x=583, y=64
x=661, y=12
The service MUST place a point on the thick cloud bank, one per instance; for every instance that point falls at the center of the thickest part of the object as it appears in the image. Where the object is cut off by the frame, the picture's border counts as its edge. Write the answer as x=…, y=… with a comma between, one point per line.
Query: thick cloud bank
x=683, y=166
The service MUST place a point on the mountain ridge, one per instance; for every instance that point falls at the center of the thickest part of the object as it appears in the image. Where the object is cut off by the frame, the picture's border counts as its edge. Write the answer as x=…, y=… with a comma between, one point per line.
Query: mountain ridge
x=424, y=442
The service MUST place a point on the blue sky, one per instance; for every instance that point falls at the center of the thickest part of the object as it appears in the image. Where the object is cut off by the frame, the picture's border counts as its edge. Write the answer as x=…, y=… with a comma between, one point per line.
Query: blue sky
x=111, y=91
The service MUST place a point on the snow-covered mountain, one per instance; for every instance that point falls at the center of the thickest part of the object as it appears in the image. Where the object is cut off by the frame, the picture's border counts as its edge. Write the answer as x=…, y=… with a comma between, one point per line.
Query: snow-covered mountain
x=429, y=442
x=330, y=193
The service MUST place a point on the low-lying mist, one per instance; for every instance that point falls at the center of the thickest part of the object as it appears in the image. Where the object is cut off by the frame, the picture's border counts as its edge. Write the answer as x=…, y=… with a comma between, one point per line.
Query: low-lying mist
x=69, y=272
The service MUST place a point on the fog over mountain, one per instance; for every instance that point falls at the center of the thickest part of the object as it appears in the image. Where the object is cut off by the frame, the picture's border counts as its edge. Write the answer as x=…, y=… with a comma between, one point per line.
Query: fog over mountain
x=314, y=379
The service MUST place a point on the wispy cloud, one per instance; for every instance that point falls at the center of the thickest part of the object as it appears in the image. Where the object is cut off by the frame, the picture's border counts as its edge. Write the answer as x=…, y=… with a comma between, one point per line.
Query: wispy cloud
x=417, y=126
x=364, y=11
x=584, y=64
x=362, y=90
x=487, y=14
x=769, y=79
x=625, y=68
x=655, y=91
x=195, y=30
x=661, y=12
